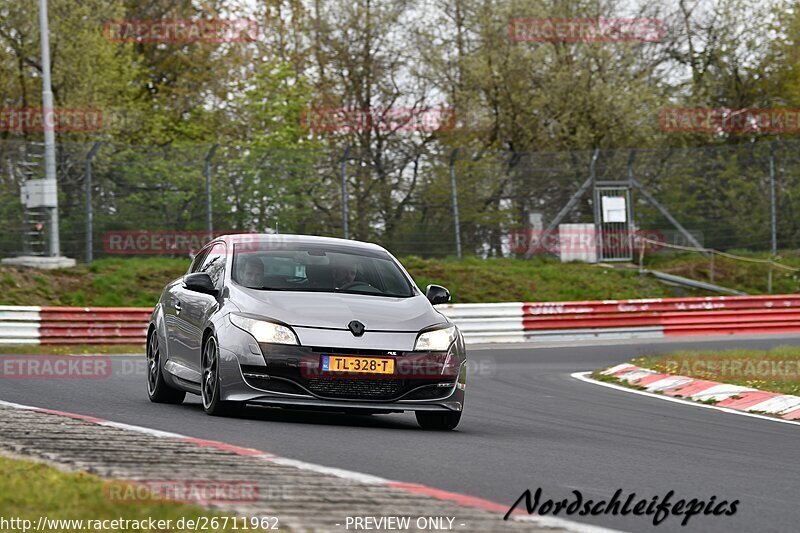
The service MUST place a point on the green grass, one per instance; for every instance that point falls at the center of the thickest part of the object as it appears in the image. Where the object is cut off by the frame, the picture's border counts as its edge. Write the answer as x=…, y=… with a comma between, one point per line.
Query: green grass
x=751, y=278
x=32, y=489
x=724, y=366
x=538, y=279
x=138, y=281
x=128, y=282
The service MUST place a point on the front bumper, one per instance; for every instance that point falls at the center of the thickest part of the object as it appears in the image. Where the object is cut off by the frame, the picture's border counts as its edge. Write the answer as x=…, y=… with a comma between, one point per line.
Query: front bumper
x=291, y=376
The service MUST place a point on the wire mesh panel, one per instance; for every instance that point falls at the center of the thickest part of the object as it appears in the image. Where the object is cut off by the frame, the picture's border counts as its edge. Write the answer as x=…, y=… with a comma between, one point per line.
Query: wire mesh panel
x=613, y=223
x=402, y=196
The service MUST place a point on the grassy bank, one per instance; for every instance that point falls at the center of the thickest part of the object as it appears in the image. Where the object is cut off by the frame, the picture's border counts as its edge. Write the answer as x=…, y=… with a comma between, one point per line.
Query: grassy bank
x=138, y=281
x=31, y=490
x=749, y=277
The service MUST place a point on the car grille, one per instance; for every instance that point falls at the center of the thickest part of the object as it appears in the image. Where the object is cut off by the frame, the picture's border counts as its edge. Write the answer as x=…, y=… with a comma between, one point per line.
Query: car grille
x=376, y=389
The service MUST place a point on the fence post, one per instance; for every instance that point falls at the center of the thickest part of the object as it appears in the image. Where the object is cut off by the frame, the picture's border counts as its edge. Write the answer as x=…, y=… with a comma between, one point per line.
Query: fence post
x=773, y=207
x=345, y=214
x=454, y=196
x=711, y=273
x=87, y=180
x=769, y=278
x=207, y=174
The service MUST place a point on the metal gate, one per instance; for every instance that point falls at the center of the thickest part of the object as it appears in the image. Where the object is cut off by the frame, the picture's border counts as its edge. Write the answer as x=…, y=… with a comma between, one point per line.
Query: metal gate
x=613, y=217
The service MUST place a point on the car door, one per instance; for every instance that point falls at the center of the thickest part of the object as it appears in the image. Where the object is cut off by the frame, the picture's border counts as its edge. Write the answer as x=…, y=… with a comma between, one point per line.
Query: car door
x=172, y=303
x=196, y=307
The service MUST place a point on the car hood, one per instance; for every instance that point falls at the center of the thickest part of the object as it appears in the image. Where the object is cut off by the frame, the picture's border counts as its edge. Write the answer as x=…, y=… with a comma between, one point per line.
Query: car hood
x=336, y=310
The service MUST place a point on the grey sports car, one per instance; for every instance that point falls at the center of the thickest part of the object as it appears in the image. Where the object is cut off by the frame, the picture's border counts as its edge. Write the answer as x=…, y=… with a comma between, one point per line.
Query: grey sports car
x=305, y=322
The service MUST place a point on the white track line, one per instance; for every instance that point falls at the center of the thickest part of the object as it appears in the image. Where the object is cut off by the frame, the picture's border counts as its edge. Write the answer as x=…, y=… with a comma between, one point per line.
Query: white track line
x=584, y=376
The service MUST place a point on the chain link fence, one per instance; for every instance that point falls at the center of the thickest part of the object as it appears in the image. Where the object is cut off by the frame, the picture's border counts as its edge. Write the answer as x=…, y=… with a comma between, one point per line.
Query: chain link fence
x=402, y=199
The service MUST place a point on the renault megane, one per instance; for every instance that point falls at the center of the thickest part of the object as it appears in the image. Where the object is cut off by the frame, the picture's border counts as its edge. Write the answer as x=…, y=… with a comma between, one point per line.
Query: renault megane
x=305, y=322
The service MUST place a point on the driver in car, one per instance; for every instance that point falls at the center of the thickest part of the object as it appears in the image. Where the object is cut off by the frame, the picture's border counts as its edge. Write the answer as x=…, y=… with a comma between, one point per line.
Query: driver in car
x=252, y=273
x=344, y=273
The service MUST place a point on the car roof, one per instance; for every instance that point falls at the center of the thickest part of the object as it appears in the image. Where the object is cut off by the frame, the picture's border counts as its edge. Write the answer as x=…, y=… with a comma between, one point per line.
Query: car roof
x=295, y=239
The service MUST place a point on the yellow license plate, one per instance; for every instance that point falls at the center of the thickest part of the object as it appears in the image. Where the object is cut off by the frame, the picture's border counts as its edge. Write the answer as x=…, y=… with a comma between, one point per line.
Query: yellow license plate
x=366, y=365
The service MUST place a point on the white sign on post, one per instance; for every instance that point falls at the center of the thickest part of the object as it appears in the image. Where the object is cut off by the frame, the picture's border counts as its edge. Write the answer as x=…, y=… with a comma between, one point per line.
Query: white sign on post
x=39, y=193
x=614, y=209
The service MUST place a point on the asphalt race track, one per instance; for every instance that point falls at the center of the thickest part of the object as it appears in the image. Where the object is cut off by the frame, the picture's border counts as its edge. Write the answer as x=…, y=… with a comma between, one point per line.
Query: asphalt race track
x=527, y=424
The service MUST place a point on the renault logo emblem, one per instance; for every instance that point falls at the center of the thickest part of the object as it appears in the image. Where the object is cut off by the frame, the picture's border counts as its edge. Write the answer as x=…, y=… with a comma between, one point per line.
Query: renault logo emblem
x=356, y=328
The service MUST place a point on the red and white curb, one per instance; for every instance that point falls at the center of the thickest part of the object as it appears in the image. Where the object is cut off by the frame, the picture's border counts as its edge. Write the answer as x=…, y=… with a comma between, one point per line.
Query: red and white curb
x=437, y=494
x=729, y=398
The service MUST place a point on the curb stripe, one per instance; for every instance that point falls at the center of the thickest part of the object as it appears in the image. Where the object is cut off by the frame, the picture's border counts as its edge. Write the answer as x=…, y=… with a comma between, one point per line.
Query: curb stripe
x=729, y=398
x=586, y=378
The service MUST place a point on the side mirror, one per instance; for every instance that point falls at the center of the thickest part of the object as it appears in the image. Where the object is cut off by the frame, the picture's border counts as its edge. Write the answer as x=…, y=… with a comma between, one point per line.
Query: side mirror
x=200, y=282
x=437, y=294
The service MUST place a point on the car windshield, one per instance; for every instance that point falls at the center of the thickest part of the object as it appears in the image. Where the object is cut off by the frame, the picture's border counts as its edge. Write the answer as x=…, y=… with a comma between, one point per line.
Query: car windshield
x=318, y=268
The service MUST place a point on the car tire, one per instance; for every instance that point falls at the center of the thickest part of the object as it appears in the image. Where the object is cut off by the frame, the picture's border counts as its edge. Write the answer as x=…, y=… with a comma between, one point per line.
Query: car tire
x=209, y=383
x=157, y=389
x=438, y=421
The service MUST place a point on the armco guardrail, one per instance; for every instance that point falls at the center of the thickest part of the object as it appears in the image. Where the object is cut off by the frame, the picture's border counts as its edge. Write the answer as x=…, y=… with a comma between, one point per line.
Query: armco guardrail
x=481, y=323
x=73, y=325
x=625, y=319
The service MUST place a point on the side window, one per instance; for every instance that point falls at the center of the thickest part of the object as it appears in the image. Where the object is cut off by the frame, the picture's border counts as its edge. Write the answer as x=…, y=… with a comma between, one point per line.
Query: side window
x=198, y=260
x=214, y=264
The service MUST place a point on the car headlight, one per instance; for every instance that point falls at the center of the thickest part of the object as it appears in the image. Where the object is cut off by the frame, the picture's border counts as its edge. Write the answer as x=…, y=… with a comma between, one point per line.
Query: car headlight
x=263, y=331
x=437, y=340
